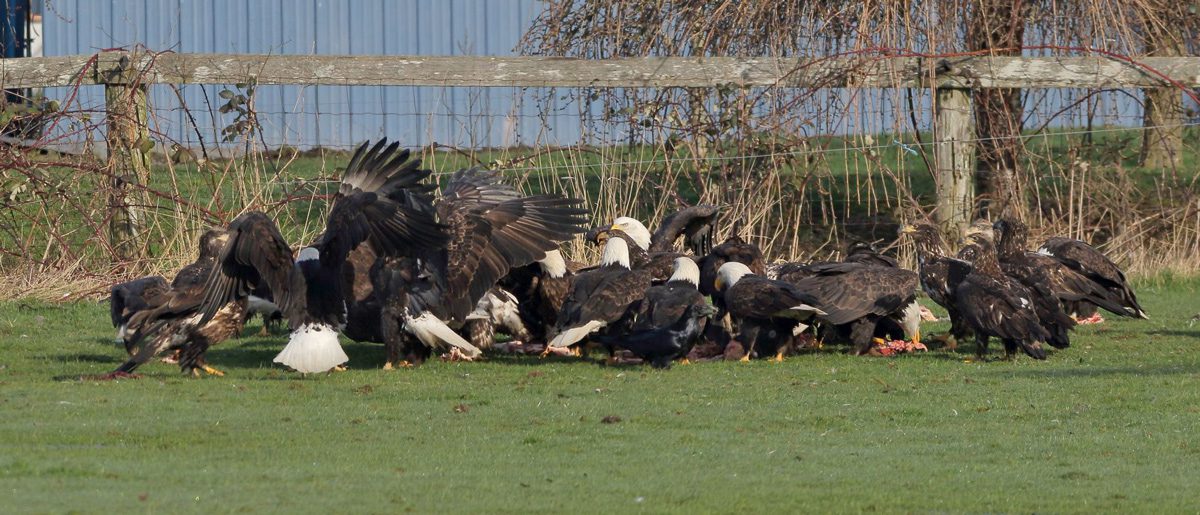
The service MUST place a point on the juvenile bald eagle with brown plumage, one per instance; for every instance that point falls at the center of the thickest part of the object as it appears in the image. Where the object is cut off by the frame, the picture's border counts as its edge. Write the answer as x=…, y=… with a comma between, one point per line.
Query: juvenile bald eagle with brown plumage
x=1046, y=281
x=733, y=250
x=130, y=297
x=865, y=253
x=172, y=320
x=540, y=289
x=996, y=305
x=864, y=299
x=1097, y=268
x=695, y=224
x=939, y=273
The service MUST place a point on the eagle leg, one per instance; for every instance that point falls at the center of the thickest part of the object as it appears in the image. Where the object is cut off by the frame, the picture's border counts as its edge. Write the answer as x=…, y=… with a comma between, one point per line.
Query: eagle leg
x=779, y=354
x=981, y=343
x=211, y=370
x=392, y=336
x=862, y=334
x=750, y=337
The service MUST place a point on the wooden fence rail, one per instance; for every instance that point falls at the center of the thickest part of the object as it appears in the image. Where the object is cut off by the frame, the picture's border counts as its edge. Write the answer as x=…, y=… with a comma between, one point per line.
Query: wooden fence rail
x=348, y=70
x=125, y=76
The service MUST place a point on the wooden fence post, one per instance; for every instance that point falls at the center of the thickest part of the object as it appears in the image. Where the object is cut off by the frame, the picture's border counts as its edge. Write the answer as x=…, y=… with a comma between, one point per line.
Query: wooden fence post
x=1163, y=116
x=128, y=151
x=954, y=157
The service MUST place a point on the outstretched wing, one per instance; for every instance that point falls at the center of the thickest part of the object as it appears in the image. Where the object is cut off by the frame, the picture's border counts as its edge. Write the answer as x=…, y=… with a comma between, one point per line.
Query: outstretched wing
x=381, y=199
x=696, y=224
x=255, y=254
x=494, y=230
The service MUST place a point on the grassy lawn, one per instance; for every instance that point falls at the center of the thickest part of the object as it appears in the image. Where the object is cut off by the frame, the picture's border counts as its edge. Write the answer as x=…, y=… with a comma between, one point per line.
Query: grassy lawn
x=1108, y=425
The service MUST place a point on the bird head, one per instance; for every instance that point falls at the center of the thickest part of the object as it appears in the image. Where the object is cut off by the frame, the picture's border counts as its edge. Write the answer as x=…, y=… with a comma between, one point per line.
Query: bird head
x=685, y=269
x=616, y=252
x=597, y=235
x=980, y=228
x=553, y=264
x=635, y=229
x=729, y=274
x=212, y=241
x=308, y=254
x=703, y=310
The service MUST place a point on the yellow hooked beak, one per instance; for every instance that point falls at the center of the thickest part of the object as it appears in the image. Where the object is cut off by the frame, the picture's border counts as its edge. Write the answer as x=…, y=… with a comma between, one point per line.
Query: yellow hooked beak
x=908, y=229
x=719, y=284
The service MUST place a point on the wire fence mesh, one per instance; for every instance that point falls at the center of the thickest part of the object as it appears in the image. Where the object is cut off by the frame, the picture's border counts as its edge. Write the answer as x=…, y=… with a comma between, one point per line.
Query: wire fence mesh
x=796, y=170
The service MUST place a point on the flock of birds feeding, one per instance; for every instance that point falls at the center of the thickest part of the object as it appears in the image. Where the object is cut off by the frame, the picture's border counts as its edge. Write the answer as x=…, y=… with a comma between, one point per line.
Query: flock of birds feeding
x=421, y=274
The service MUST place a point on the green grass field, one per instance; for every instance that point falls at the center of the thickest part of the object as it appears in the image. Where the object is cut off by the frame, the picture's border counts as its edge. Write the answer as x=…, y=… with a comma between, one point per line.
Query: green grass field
x=1107, y=425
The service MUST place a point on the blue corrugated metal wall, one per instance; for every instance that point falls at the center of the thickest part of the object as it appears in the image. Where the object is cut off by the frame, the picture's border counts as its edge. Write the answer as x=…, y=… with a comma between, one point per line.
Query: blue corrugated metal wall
x=324, y=115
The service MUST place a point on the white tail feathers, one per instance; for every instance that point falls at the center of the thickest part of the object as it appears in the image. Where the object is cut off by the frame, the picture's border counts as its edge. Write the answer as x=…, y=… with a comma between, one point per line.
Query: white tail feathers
x=264, y=307
x=433, y=332
x=312, y=348
x=806, y=311
x=573, y=335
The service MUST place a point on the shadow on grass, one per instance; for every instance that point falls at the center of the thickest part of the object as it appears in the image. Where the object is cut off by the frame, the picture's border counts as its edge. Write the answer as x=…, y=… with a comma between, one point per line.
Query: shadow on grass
x=1176, y=332
x=1101, y=371
x=87, y=357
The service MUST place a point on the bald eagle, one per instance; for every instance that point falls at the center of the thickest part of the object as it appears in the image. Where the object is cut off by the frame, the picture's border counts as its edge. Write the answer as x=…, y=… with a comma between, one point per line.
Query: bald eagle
x=1096, y=267
x=601, y=296
x=940, y=274
x=864, y=298
x=498, y=310
x=492, y=229
x=540, y=289
x=172, y=319
x=733, y=249
x=980, y=228
x=996, y=305
x=667, y=321
x=381, y=201
x=1046, y=281
x=864, y=253
x=768, y=312
x=656, y=253
x=128, y=298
